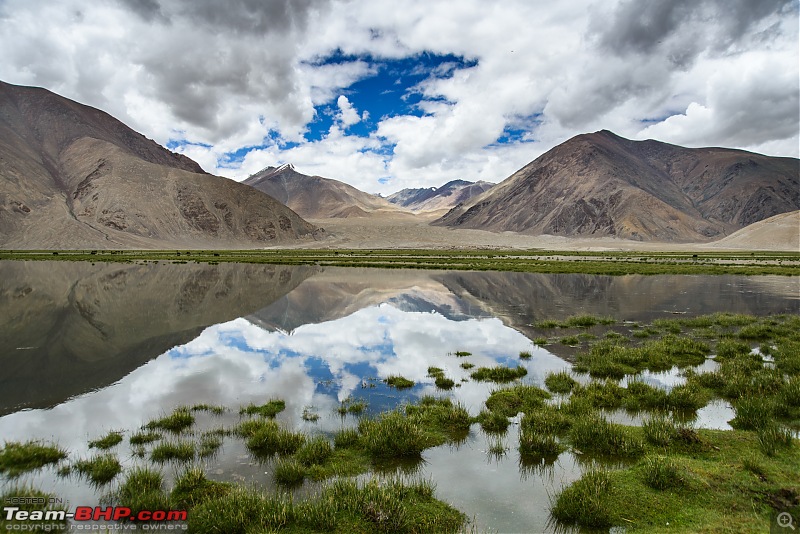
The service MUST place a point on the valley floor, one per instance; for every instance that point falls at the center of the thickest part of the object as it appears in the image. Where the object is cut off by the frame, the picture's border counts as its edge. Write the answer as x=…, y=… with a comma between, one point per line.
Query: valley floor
x=406, y=233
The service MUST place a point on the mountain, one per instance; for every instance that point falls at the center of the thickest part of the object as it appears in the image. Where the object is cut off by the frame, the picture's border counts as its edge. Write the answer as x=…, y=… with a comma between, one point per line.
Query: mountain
x=600, y=184
x=779, y=232
x=71, y=327
x=445, y=197
x=75, y=177
x=315, y=197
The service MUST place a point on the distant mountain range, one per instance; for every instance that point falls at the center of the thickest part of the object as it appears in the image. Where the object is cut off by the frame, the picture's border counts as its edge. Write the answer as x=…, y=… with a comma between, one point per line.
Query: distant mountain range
x=315, y=197
x=442, y=198
x=601, y=184
x=72, y=176
x=75, y=177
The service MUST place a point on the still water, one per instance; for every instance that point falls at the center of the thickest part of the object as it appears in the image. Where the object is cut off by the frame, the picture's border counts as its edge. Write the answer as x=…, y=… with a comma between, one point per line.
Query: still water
x=86, y=349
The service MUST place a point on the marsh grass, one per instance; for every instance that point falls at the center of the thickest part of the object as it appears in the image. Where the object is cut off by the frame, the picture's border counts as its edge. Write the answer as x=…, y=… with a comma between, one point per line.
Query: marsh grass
x=773, y=437
x=546, y=419
x=351, y=405
x=143, y=489
x=467, y=365
x=309, y=416
x=209, y=408
x=289, y=472
x=315, y=451
x=173, y=451
x=17, y=458
x=661, y=472
x=268, y=439
x=442, y=382
x=144, y=437
x=399, y=382
x=525, y=355
x=178, y=421
x=509, y=401
x=753, y=413
x=346, y=438
x=538, y=446
x=493, y=422
x=209, y=444
x=106, y=442
x=392, y=435
x=561, y=382
x=100, y=469
x=570, y=341
x=498, y=374
x=596, y=435
x=270, y=409
x=462, y=354
x=193, y=488
x=659, y=430
x=587, y=502
x=540, y=341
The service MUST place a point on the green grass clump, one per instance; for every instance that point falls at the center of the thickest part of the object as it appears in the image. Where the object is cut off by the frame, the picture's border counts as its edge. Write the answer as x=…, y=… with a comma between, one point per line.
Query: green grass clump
x=510, y=401
x=730, y=348
x=462, y=353
x=399, y=382
x=209, y=444
x=661, y=472
x=270, y=409
x=493, y=422
x=547, y=419
x=17, y=458
x=315, y=451
x=525, y=355
x=659, y=430
x=193, y=488
x=687, y=398
x=467, y=365
x=547, y=324
x=561, y=382
x=106, y=442
x=641, y=396
x=607, y=394
x=441, y=419
x=570, y=341
x=772, y=437
x=173, y=451
x=143, y=489
x=177, y=422
x=345, y=438
x=210, y=408
x=100, y=470
x=352, y=406
x=498, y=374
x=289, y=472
x=538, y=446
x=392, y=435
x=143, y=438
x=596, y=435
x=265, y=438
x=310, y=416
x=753, y=413
x=540, y=341
x=442, y=382
x=581, y=321
x=587, y=502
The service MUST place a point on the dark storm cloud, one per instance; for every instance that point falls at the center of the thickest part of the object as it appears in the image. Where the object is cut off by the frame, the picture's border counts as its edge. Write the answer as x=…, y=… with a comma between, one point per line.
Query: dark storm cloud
x=248, y=16
x=683, y=28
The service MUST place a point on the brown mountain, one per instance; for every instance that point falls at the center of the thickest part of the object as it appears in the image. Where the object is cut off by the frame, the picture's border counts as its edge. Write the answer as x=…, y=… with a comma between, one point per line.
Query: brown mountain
x=72, y=176
x=438, y=198
x=601, y=184
x=315, y=197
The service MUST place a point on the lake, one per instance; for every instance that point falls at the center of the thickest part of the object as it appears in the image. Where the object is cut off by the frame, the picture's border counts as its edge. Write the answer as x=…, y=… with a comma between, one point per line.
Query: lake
x=87, y=349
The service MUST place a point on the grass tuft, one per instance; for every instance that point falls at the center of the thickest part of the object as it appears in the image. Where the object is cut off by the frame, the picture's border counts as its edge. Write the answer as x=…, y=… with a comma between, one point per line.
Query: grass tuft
x=586, y=503
x=106, y=442
x=270, y=409
x=177, y=422
x=498, y=374
x=561, y=382
x=17, y=458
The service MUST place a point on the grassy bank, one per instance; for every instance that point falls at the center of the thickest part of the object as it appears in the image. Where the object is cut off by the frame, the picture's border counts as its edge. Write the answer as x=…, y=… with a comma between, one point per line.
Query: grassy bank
x=534, y=261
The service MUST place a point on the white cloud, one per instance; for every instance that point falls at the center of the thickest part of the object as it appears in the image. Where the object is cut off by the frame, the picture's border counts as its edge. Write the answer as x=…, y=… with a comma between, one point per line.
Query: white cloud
x=230, y=75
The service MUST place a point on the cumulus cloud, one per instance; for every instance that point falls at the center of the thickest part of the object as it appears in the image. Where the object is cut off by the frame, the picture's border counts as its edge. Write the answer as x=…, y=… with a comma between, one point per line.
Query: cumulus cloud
x=222, y=77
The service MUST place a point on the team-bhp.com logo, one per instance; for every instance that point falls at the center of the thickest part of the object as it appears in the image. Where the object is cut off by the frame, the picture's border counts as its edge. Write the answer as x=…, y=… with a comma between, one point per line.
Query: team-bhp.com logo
x=17, y=519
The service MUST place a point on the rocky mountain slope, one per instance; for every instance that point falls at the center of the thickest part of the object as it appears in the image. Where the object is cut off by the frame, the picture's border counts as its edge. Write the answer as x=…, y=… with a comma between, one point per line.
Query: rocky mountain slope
x=315, y=197
x=436, y=198
x=601, y=184
x=72, y=176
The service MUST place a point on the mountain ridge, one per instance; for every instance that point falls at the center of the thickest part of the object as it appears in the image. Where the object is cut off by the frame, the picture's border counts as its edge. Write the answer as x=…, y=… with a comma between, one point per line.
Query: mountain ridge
x=75, y=177
x=600, y=184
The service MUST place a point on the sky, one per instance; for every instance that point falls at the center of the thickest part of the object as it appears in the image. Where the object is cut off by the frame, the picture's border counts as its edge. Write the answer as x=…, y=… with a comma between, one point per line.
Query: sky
x=386, y=95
